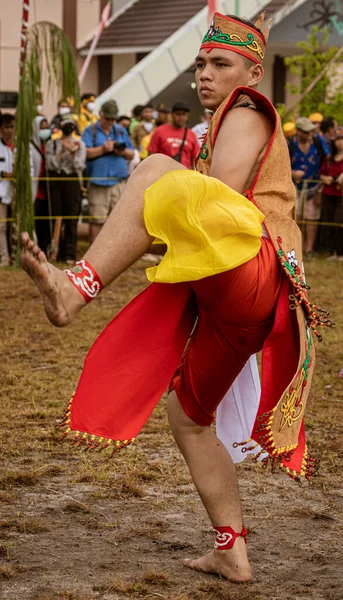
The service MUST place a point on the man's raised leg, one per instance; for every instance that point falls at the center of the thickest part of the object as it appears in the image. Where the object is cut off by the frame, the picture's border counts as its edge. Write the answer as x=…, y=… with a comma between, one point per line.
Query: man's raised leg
x=121, y=241
x=214, y=476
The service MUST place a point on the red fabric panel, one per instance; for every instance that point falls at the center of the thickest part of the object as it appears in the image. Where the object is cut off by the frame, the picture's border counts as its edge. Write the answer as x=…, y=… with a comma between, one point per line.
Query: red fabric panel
x=280, y=353
x=236, y=314
x=129, y=366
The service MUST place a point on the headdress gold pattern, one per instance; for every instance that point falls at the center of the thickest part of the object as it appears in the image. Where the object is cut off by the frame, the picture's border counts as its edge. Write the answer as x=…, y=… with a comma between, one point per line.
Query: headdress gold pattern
x=231, y=34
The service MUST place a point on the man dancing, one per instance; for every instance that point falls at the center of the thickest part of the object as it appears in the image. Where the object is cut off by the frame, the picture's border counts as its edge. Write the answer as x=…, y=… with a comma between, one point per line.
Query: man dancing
x=233, y=266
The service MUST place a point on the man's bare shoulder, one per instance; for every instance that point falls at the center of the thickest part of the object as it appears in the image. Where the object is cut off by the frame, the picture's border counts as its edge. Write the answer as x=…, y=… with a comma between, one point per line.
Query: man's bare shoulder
x=241, y=143
x=245, y=123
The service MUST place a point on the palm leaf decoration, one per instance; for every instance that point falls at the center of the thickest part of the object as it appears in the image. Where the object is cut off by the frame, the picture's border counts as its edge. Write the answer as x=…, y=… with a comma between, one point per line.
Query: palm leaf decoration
x=49, y=59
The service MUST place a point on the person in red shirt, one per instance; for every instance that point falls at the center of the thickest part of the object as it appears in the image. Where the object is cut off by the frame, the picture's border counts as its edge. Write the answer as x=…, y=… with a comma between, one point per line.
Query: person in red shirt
x=175, y=139
x=331, y=174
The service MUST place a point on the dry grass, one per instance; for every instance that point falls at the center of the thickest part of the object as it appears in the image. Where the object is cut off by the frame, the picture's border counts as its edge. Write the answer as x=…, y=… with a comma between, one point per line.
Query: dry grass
x=119, y=528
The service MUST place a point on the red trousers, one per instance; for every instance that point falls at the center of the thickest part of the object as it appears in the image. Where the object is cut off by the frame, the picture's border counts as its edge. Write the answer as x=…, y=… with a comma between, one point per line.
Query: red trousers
x=236, y=312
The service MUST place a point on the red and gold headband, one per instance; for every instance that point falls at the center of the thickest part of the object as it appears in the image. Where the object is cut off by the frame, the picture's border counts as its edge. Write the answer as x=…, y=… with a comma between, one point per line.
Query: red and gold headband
x=230, y=34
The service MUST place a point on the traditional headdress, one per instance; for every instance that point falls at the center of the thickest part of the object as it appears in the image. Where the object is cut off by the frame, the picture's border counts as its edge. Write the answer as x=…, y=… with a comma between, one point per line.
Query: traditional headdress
x=231, y=34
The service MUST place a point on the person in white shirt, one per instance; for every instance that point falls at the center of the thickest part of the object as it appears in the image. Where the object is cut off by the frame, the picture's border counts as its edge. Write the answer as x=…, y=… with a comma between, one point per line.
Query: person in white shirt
x=201, y=128
x=6, y=168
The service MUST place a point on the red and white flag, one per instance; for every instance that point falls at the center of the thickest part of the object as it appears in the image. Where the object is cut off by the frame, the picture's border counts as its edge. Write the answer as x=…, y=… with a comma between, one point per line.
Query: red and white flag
x=102, y=25
x=212, y=8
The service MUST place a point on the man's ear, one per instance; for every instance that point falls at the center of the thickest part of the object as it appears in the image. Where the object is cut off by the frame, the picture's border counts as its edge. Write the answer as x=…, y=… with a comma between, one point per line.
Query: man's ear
x=256, y=74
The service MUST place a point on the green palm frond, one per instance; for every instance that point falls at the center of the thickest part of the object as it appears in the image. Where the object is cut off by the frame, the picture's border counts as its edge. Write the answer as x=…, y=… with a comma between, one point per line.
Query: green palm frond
x=49, y=54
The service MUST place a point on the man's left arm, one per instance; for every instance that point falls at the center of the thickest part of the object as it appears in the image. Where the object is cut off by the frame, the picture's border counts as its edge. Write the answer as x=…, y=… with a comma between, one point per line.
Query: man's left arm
x=243, y=137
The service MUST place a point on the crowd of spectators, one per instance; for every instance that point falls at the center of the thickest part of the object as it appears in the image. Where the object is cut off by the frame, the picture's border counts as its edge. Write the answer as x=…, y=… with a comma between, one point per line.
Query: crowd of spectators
x=316, y=150
x=80, y=164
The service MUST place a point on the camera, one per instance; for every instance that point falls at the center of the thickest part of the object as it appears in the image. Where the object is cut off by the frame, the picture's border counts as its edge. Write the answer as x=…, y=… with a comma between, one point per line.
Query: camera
x=119, y=146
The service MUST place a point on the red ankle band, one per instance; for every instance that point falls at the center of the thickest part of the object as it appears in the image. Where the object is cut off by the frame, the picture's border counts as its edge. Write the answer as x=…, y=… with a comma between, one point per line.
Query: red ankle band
x=226, y=537
x=85, y=279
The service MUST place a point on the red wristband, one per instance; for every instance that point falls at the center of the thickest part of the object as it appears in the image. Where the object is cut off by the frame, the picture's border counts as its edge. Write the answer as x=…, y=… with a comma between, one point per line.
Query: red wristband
x=226, y=537
x=85, y=279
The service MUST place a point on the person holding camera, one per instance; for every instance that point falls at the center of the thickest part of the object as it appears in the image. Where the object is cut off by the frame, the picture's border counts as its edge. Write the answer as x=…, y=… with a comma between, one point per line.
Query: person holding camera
x=108, y=148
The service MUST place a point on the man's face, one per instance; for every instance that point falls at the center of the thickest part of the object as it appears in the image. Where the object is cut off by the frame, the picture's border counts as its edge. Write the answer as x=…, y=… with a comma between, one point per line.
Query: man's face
x=304, y=136
x=218, y=73
x=179, y=118
x=147, y=114
x=105, y=122
x=7, y=132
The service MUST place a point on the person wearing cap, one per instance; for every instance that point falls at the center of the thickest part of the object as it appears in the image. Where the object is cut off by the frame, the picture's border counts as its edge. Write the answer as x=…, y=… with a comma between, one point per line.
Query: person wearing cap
x=331, y=174
x=307, y=153
x=88, y=111
x=65, y=160
x=175, y=139
x=109, y=147
x=201, y=128
x=230, y=284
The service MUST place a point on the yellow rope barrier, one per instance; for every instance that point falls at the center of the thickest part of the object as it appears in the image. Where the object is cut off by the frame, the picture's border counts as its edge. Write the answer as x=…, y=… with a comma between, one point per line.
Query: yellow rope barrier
x=96, y=217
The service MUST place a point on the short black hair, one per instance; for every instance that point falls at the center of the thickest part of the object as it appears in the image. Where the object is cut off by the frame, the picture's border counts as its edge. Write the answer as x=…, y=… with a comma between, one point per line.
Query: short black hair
x=327, y=124
x=136, y=111
x=245, y=22
x=180, y=105
x=6, y=119
x=123, y=117
x=149, y=105
x=86, y=96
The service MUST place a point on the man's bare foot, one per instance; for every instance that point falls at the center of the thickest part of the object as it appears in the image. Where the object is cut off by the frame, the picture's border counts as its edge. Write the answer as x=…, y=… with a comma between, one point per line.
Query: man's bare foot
x=232, y=564
x=61, y=299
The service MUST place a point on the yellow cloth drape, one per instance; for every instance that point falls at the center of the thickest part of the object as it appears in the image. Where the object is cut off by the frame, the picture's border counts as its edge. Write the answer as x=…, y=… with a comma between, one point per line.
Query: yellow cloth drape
x=208, y=227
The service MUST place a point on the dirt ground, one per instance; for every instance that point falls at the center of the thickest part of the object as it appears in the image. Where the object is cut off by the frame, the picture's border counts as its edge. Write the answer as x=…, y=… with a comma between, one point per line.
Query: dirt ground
x=82, y=526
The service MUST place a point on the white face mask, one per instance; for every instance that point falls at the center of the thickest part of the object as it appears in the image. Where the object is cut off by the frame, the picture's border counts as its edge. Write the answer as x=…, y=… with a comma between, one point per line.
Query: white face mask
x=44, y=134
x=91, y=106
x=64, y=110
x=148, y=127
x=155, y=115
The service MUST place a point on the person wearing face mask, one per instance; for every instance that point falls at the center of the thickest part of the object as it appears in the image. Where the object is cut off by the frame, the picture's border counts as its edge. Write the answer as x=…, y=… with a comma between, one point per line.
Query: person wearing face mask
x=144, y=127
x=40, y=190
x=66, y=159
x=88, y=113
x=65, y=108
